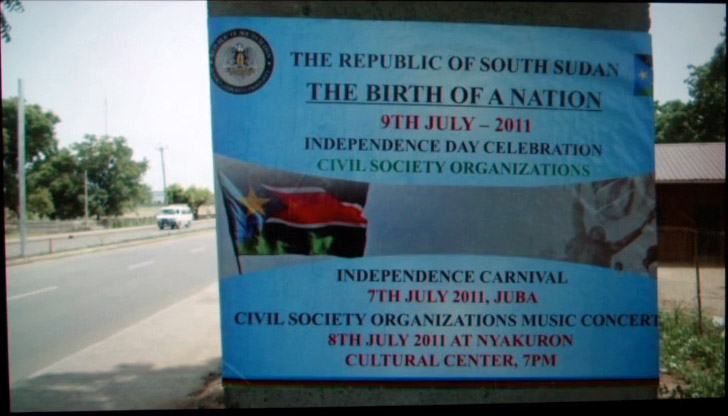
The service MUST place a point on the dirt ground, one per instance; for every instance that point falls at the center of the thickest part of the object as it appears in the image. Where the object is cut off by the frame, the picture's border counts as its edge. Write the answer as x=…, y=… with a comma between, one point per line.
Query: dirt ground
x=676, y=288
x=212, y=396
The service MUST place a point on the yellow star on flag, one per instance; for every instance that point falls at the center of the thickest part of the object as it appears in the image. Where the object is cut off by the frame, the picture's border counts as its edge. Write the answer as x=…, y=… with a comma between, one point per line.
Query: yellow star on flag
x=644, y=74
x=253, y=202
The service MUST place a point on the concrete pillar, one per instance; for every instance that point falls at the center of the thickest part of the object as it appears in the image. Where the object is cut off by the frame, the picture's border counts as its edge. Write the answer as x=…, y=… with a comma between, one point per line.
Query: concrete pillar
x=619, y=16
x=616, y=16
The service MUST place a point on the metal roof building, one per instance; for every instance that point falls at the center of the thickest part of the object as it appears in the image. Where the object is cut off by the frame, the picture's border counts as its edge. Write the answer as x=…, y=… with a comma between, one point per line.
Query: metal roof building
x=691, y=202
x=690, y=162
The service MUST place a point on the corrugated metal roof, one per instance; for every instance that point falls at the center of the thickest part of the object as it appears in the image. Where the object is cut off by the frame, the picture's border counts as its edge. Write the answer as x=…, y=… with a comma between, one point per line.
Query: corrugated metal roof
x=690, y=162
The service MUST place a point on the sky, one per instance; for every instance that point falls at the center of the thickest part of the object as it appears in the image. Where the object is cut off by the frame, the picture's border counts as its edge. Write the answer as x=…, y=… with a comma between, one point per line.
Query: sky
x=140, y=70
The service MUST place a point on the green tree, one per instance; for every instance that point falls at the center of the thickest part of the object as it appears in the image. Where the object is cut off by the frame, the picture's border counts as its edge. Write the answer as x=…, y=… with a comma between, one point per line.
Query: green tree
x=674, y=122
x=10, y=6
x=196, y=197
x=702, y=119
x=176, y=194
x=62, y=177
x=40, y=144
x=707, y=88
x=114, y=178
x=146, y=194
x=40, y=202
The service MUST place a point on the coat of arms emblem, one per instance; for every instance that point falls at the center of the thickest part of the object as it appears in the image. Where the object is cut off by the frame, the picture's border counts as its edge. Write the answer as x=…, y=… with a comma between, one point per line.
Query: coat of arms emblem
x=241, y=61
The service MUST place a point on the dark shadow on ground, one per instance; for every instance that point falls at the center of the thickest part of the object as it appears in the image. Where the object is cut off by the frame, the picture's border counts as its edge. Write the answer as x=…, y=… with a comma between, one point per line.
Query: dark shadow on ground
x=129, y=387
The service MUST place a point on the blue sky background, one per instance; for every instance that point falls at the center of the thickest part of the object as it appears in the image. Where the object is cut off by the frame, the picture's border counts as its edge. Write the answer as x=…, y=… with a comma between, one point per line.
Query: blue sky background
x=148, y=61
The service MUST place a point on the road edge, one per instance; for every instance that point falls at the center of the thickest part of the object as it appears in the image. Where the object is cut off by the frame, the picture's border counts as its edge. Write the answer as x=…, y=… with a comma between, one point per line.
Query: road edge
x=15, y=261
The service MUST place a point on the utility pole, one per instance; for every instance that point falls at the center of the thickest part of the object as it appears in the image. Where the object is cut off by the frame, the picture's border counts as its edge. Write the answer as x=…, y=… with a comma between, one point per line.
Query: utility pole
x=164, y=177
x=106, y=125
x=21, y=166
x=85, y=197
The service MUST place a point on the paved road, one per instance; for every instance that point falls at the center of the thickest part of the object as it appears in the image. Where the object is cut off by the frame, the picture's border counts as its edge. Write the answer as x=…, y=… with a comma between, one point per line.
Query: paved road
x=75, y=240
x=58, y=307
x=103, y=331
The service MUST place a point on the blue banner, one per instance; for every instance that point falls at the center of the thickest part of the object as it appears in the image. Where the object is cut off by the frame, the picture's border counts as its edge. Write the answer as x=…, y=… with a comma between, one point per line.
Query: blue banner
x=410, y=201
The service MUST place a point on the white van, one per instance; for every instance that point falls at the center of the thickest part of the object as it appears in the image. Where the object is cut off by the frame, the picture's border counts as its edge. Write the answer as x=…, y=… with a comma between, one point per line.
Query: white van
x=174, y=216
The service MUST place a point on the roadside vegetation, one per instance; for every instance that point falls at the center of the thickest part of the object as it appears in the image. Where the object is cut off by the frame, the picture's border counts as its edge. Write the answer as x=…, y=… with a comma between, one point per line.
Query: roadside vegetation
x=702, y=119
x=98, y=174
x=194, y=197
x=697, y=359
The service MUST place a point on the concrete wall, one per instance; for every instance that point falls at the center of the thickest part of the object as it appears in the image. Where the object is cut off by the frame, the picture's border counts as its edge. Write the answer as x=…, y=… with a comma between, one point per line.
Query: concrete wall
x=621, y=16
x=617, y=16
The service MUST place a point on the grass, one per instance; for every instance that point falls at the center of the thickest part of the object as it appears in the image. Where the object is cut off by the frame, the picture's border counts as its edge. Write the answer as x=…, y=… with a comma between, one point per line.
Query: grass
x=122, y=222
x=695, y=358
x=142, y=211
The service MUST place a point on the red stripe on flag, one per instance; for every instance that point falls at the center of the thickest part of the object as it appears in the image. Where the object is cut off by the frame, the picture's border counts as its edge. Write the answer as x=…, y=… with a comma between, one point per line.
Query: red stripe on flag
x=308, y=208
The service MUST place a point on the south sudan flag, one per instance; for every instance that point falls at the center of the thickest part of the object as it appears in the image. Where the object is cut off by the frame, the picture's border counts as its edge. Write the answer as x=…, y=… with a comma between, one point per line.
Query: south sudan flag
x=643, y=75
x=295, y=214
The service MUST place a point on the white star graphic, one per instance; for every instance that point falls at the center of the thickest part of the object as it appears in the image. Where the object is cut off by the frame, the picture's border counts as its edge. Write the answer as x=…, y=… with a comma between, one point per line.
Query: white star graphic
x=644, y=75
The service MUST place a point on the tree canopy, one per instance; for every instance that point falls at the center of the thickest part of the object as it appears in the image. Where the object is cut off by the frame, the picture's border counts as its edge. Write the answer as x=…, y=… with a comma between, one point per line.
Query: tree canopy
x=702, y=119
x=40, y=144
x=114, y=179
x=196, y=197
x=673, y=123
x=176, y=194
x=10, y=6
x=55, y=178
x=59, y=178
x=192, y=196
x=707, y=88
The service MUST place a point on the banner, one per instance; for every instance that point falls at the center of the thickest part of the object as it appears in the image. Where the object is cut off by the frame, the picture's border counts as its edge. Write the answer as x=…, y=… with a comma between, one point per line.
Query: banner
x=410, y=202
